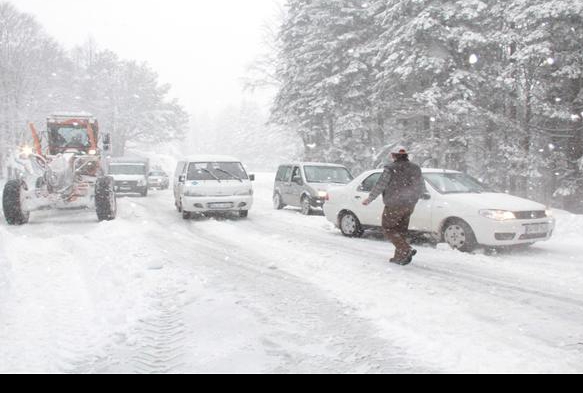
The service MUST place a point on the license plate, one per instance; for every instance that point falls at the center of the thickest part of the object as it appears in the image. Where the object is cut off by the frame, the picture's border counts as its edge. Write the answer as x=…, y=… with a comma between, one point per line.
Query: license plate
x=537, y=229
x=220, y=206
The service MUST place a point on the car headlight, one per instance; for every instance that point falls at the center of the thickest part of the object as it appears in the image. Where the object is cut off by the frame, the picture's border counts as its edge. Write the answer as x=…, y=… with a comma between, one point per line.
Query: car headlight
x=550, y=213
x=322, y=194
x=244, y=193
x=498, y=215
x=142, y=183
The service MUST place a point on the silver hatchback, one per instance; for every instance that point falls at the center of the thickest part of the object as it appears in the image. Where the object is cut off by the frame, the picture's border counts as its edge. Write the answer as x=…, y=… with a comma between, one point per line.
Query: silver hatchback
x=305, y=185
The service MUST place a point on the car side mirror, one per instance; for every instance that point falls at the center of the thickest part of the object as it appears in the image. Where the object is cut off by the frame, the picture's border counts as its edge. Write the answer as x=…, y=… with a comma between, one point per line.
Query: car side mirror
x=182, y=179
x=426, y=196
x=252, y=177
x=298, y=180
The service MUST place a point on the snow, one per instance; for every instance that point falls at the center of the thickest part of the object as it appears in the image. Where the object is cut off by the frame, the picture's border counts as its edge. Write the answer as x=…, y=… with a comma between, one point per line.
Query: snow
x=279, y=292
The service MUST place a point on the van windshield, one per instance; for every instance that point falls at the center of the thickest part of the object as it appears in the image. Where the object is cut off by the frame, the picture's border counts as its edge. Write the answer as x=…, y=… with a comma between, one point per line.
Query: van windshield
x=217, y=171
x=127, y=169
x=326, y=174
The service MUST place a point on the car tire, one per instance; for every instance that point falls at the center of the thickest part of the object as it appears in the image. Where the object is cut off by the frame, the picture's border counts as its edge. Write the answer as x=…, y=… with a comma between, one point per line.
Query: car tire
x=306, y=206
x=460, y=236
x=244, y=213
x=278, y=201
x=350, y=225
x=186, y=215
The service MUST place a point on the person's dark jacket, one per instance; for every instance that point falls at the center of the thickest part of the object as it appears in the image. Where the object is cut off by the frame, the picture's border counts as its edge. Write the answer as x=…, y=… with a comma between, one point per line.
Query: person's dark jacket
x=402, y=185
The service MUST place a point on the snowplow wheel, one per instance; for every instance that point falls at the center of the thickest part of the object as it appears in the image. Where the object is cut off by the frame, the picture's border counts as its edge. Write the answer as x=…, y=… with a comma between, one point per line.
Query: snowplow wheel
x=13, y=203
x=105, y=200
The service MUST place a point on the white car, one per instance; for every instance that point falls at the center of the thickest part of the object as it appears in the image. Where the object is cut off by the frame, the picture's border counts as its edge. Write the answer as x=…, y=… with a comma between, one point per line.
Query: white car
x=206, y=184
x=457, y=209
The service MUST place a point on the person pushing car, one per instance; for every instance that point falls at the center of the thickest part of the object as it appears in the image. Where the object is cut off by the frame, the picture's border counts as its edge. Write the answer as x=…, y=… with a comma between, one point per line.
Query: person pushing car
x=402, y=186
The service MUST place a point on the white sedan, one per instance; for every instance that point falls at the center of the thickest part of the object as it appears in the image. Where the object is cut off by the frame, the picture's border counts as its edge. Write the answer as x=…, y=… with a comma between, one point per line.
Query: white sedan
x=457, y=209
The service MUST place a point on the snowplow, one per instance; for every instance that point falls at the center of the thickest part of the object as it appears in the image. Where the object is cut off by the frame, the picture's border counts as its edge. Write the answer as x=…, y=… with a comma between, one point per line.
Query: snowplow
x=67, y=171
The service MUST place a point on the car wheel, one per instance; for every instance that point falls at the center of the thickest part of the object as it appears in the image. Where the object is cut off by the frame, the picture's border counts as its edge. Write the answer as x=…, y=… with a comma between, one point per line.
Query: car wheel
x=244, y=213
x=186, y=215
x=350, y=225
x=306, y=206
x=460, y=236
x=278, y=202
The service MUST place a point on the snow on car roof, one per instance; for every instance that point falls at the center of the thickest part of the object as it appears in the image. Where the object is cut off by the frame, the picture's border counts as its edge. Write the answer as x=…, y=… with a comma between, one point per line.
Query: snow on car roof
x=314, y=164
x=211, y=158
x=425, y=171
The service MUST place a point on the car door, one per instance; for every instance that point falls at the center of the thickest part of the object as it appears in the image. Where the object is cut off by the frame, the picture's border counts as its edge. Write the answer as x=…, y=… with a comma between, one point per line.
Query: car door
x=294, y=190
x=371, y=215
x=178, y=185
x=422, y=219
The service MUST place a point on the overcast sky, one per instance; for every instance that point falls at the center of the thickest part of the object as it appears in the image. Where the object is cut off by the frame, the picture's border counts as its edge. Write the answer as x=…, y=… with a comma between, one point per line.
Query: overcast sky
x=201, y=47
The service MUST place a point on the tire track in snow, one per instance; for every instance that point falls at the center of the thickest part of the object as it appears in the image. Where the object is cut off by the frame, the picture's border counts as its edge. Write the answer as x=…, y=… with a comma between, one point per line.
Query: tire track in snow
x=159, y=348
x=353, y=342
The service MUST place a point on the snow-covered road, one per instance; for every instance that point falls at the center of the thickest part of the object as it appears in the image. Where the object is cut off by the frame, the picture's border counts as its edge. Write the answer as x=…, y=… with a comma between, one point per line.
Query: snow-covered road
x=278, y=292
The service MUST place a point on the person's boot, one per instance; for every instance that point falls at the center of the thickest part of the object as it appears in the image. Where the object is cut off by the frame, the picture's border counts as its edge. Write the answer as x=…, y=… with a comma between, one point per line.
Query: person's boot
x=406, y=260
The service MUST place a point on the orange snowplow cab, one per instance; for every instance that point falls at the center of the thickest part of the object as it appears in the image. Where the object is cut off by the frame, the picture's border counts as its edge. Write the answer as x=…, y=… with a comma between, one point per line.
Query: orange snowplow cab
x=70, y=131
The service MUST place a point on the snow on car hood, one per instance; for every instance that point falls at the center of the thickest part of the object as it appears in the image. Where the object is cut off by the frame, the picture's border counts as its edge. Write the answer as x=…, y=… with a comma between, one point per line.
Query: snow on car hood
x=128, y=177
x=495, y=201
x=214, y=188
x=325, y=186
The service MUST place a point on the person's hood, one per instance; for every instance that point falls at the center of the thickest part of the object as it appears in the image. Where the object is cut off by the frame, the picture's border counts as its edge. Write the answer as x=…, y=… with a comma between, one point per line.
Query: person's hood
x=495, y=201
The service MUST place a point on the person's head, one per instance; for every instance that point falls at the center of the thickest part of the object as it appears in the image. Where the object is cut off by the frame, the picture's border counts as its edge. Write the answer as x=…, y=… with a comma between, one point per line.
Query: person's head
x=400, y=153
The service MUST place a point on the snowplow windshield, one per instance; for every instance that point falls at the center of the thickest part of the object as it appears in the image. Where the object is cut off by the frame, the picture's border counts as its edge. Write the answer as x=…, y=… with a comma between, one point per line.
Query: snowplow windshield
x=127, y=169
x=69, y=137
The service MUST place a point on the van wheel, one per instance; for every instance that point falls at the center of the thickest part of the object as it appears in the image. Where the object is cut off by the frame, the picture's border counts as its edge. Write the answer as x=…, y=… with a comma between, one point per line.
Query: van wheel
x=278, y=201
x=460, y=236
x=350, y=225
x=244, y=213
x=186, y=215
x=306, y=206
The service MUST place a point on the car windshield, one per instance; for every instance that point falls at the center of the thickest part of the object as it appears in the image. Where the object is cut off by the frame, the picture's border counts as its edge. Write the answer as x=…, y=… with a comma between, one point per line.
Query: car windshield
x=127, y=169
x=455, y=183
x=217, y=171
x=69, y=137
x=325, y=174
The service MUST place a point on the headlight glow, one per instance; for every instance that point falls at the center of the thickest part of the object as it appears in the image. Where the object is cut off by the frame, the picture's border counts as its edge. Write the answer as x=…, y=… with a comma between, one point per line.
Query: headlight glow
x=498, y=215
x=26, y=151
x=322, y=194
x=550, y=213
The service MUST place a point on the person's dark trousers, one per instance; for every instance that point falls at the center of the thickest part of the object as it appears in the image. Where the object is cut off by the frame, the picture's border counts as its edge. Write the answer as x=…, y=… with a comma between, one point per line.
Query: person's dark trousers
x=395, y=226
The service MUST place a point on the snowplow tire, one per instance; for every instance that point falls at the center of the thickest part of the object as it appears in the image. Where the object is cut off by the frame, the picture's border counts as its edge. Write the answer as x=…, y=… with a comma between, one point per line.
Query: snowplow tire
x=12, y=203
x=105, y=199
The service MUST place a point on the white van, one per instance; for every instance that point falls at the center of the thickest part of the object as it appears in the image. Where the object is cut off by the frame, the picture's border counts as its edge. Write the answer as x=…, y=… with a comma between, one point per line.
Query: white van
x=210, y=184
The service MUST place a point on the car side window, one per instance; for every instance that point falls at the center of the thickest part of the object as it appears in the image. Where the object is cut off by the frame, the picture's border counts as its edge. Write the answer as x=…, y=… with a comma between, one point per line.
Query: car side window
x=297, y=173
x=370, y=182
x=283, y=175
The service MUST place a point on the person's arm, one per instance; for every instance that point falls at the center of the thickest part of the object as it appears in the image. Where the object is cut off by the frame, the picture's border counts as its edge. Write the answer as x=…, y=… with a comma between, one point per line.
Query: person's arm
x=379, y=188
